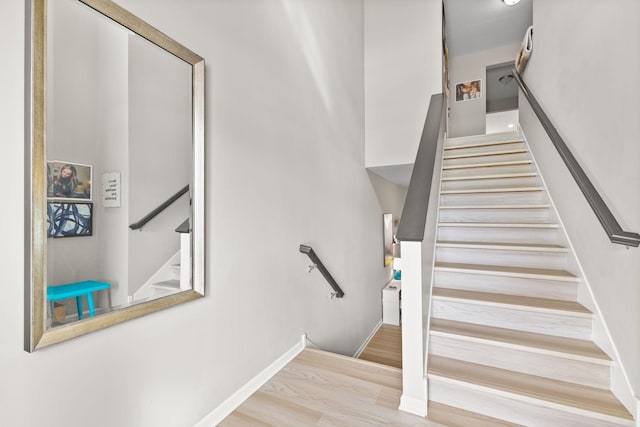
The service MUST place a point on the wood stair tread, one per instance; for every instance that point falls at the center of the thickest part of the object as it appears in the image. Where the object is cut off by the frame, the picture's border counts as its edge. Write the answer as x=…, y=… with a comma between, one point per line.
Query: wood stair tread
x=456, y=417
x=493, y=190
x=584, y=398
x=511, y=300
x=528, y=272
x=487, y=164
x=498, y=224
x=491, y=176
x=482, y=144
x=551, y=343
x=486, y=153
x=502, y=246
x=544, y=206
x=171, y=285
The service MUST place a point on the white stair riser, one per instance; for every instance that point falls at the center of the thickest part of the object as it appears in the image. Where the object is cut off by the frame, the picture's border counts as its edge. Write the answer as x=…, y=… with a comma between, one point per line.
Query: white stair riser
x=550, y=260
x=508, y=407
x=481, y=184
x=548, y=322
x=451, y=173
x=505, y=235
x=552, y=289
x=497, y=215
x=175, y=272
x=484, y=149
x=160, y=292
x=485, y=159
x=520, y=359
x=483, y=199
x=477, y=139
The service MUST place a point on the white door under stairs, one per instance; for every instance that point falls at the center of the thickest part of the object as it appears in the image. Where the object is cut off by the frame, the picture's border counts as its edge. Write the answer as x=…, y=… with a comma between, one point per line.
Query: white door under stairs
x=508, y=338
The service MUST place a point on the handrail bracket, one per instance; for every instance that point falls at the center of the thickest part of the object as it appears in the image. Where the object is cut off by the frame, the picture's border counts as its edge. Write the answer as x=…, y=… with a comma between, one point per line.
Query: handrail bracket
x=337, y=291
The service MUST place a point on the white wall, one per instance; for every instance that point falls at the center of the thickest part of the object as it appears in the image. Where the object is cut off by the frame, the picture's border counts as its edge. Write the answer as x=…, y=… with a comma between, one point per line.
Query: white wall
x=503, y=121
x=584, y=72
x=390, y=196
x=403, y=68
x=285, y=144
x=160, y=154
x=468, y=117
x=113, y=142
x=72, y=133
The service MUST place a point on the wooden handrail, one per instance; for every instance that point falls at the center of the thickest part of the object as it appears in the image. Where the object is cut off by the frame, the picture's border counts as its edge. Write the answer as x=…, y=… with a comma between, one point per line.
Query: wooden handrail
x=603, y=213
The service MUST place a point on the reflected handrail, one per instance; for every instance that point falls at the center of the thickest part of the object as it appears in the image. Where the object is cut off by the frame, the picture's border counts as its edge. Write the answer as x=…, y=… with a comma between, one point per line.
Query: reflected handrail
x=148, y=217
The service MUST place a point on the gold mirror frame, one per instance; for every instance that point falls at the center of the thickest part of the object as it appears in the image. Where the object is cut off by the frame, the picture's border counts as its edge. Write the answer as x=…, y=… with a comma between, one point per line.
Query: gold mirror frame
x=36, y=334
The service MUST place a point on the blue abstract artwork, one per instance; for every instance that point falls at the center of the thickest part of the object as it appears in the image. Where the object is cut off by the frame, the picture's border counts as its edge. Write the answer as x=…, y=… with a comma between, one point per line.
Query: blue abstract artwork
x=69, y=219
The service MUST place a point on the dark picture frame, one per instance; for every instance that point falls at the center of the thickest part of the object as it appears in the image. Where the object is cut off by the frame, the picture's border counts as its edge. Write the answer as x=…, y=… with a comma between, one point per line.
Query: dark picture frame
x=69, y=219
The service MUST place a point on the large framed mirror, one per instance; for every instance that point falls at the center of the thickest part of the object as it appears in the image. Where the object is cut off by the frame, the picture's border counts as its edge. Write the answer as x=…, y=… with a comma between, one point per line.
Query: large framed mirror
x=115, y=181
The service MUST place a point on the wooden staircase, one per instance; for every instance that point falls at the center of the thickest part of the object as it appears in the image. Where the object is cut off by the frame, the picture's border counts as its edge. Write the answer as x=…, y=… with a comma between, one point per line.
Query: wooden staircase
x=508, y=338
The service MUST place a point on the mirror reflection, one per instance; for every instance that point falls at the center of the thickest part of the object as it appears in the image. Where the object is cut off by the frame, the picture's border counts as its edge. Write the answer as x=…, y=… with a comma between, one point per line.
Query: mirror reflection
x=116, y=207
x=119, y=167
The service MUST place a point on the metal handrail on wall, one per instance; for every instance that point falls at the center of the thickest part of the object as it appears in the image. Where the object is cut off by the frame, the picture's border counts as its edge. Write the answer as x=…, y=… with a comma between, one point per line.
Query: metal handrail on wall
x=337, y=291
x=142, y=222
x=603, y=213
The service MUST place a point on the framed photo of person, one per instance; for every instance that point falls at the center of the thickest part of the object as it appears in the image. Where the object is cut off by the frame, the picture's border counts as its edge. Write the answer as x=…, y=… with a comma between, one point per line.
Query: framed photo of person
x=466, y=91
x=67, y=180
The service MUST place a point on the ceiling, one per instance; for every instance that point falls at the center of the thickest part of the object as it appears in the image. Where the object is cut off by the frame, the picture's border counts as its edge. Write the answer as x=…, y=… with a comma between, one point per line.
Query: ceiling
x=476, y=25
x=472, y=26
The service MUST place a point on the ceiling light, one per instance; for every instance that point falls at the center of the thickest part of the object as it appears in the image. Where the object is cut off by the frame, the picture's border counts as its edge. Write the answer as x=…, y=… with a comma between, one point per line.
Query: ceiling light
x=506, y=79
x=510, y=2
x=510, y=126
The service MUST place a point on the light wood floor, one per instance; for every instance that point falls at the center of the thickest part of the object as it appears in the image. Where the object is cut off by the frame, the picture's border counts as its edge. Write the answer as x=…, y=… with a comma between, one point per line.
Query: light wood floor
x=385, y=347
x=323, y=389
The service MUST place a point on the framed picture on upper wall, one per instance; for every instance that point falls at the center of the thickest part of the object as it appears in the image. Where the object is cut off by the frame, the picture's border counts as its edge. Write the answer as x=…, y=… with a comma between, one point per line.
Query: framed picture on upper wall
x=468, y=90
x=387, y=237
x=66, y=180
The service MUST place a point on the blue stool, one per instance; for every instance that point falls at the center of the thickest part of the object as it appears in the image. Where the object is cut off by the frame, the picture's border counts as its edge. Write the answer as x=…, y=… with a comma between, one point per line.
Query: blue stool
x=77, y=290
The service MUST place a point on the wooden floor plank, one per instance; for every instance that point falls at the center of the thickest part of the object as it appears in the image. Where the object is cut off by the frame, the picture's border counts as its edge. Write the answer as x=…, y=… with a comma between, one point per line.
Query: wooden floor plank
x=316, y=389
x=455, y=417
x=385, y=347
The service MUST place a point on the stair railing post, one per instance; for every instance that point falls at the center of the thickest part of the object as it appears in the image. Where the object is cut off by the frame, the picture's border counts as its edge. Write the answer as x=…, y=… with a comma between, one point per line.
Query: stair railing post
x=414, y=388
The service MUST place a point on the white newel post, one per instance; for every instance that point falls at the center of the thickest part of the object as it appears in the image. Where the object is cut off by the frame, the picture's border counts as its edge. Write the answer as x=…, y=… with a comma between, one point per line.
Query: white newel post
x=185, y=261
x=414, y=386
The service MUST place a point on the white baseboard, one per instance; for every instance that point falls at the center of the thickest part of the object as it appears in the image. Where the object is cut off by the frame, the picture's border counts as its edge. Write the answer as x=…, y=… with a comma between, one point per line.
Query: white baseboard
x=236, y=399
x=413, y=406
x=366, y=341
